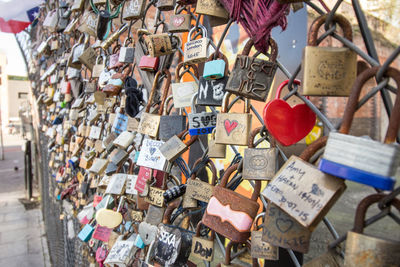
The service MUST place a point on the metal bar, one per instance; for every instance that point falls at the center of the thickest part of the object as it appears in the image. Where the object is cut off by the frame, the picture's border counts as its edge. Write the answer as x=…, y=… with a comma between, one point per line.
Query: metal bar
x=387, y=63
x=330, y=227
x=370, y=221
x=293, y=257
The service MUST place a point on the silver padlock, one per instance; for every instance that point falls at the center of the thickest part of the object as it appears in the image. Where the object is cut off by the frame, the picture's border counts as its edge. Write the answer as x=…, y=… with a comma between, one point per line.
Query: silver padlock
x=197, y=51
x=126, y=53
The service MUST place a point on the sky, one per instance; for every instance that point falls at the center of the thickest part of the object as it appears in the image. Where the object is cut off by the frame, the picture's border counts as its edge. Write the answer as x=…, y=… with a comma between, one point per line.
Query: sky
x=9, y=46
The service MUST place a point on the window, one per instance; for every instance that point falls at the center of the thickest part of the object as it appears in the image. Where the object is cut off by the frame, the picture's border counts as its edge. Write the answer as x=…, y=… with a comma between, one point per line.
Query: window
x=22, y=95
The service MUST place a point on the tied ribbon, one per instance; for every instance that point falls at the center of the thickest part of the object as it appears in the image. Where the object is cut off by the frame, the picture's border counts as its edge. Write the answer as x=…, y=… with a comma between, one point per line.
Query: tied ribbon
x=258, y=18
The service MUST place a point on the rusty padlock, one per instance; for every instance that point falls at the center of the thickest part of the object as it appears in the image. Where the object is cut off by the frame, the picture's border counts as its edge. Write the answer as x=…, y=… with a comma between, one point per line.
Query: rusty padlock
x=368, y=251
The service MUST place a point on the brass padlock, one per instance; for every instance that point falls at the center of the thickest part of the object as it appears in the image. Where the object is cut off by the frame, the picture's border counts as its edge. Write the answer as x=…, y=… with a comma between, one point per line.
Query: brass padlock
x=233, y=128
x=134, y=9
x=368, y=251
x=179, y=22
x=215, y=151
x=174, y=147
x=259, y=163
x=158, y=44
x=259, y=248
x=88, y=23
x=88, y=58
x=329, y=71
x=99, y=66
x=203, y=248
x=211, y=8
x=149, y=123
x=165, y=5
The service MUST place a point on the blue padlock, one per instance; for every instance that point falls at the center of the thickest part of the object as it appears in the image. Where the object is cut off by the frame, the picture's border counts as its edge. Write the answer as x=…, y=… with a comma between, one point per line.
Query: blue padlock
x=86, y=233
x=215, y=69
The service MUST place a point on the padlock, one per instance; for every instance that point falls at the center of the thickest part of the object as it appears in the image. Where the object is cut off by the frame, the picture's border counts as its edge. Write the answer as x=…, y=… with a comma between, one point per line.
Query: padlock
x=113, y=37
x=201, y=123
x=76, y=52
x=215, y=69
x=102, y=233
x=101, y=253
x=174, y=193
x=114, y=62
x=134, y=9
x=99, y=166
x=96, y=130
x=329, y=71
x=233, y=128
x=173, y=243
x=215, y=151
x=109, y=218
x=86, y=160
x=99, y=2
x=98, y=67
x=175, y=147
x=179, y=22
x=150, y=155
x=211, y=92
x=360, y=159
x=88, y=23
x=88, y=58
x=203, y=248
x=149, y=123
x=148, y=63
x=229, y=213
x=121, y=253
x=170, y=125
x=124, y=140
x=183, y=92
x=126, y=53
x=197, y=188
x=115, y=84
x=252, y=77
x=197, y=50
x=86, y=233
x=212, y=8
x=158, y=44
x=310, y=194
x=116, y=185
x=51, y=20
x=64, y=14
x=366, y=250
x=77, y=5
x=331, y=258
x=259, y=163
x=227, y=261
x=259, y=248
x=165, y=5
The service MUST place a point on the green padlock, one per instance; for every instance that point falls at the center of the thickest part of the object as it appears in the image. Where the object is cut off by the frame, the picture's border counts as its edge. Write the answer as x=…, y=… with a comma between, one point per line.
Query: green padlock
x=215, y=69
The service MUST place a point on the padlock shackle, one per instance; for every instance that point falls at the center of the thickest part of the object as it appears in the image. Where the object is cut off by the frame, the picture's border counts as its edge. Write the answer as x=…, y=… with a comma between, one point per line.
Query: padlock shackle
x=363, y=206
x=272, y=44
x=192, y=139
x=313, y=148
x=154, y=88
x=253, y=135
x=210, y=165
x=352, y=103
x=255, y=222
x=201, y=28
x=225, y=103
x=337, y=18
x=168, y=211
x=282, y=85
x=230, y=171
x=165, y=107
x=198, y=227
x=185, y=66
x=220, y=56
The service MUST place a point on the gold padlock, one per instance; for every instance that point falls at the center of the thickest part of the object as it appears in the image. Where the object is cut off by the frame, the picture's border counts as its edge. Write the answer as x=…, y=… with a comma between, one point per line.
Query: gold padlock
x=329, y=71
x=233, y=128
x=211, y=8
x=368, y=251
x=216, y=151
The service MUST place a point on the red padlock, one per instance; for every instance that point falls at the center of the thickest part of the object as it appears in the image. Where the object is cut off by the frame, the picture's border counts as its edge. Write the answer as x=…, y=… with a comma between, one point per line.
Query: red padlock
x=148, y=63
x=288, y=124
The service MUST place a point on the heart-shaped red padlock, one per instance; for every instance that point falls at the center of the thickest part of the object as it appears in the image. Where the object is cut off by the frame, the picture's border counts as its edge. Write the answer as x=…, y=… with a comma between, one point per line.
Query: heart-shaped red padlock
x=288, y=124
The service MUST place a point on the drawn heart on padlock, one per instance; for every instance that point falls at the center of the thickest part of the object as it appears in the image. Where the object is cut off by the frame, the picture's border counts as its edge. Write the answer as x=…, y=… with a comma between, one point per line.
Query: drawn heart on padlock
x=230, y=125
x=284, y=225
x=288, y=124
x=147, y=232
x=152, y=150
x=205, y=120
x=178, y=21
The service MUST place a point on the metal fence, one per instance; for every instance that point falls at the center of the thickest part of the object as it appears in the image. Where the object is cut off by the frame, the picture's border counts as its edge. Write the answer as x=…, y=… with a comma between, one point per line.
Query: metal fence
x=65, y=251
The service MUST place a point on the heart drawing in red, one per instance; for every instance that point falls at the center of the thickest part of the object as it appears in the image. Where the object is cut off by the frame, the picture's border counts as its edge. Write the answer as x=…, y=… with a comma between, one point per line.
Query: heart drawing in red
x=230, y=125
x=288, y=124
x=177, y=21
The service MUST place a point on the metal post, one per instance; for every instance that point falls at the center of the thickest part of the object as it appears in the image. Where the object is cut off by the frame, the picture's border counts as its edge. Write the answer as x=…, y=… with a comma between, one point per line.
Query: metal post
x=28, y=168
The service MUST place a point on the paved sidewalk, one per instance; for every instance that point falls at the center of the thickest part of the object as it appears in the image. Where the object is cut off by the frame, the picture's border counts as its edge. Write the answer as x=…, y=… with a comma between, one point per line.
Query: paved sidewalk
x=22, y=236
